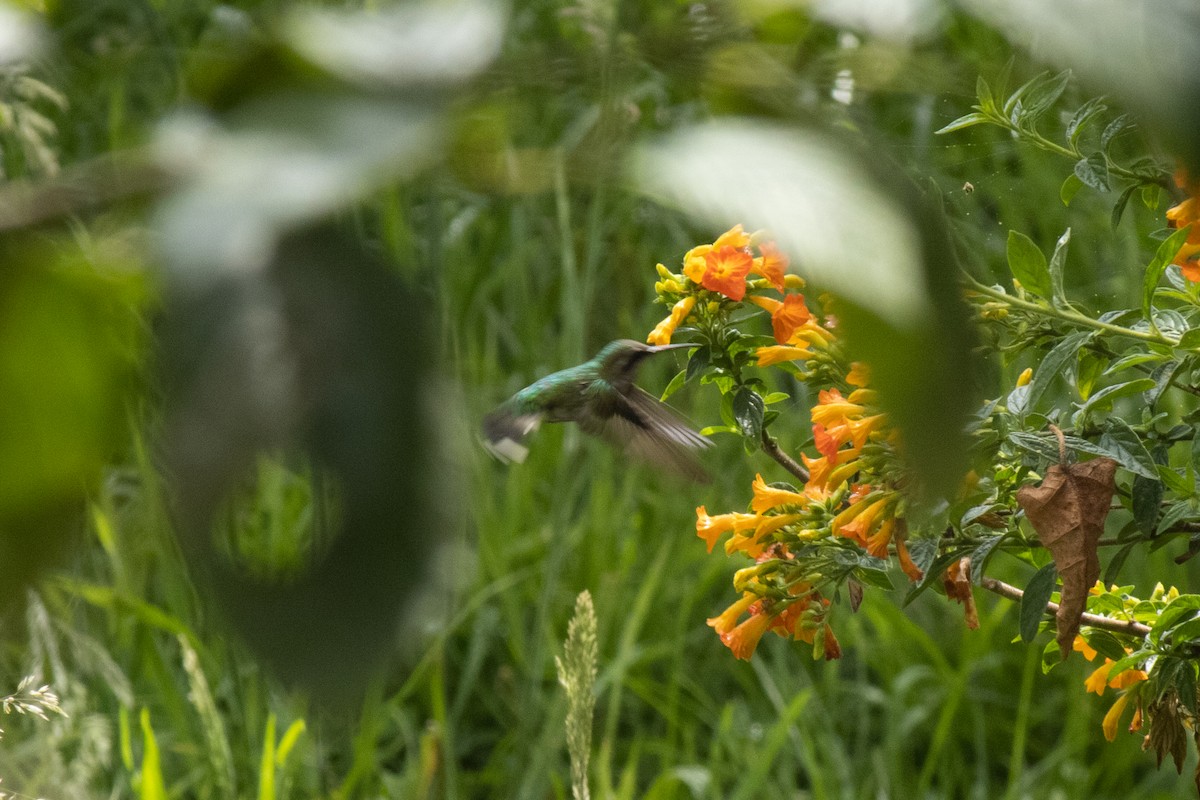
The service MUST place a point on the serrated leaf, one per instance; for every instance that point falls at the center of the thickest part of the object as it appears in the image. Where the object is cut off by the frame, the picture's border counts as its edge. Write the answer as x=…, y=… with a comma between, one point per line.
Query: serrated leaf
x=748, y=411
x=1093, y=171
x=965, y=121
x=1033, y=601
x=1070, y=187
x=1028, y=264
x=1122, y=444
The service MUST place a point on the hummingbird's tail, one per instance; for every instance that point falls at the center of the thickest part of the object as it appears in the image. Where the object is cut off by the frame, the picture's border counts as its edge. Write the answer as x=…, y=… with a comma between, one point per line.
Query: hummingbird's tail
x=504, y=433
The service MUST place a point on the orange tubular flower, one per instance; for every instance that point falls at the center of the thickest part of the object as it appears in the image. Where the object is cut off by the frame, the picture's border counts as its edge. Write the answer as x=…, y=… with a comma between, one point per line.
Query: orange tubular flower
x=1182, y=215
x=771, y=265
x=877, y=543
x=720, y=269
x=664, y=330
x=859, y=374
x=743, y=639
x=769, y=525
x=778, y=353
x=861, y=526
x=767, y=497
x=711, y=528
x=724, y=622
x=1081, y=645
x=910, y=567
x=818, y=472
x=1098, y=681
x=1128, y=678
x=787, y=317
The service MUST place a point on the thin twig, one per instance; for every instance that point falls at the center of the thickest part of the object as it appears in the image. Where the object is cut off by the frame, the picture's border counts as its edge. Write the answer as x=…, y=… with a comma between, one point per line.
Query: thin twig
x=1093, y=620
x=771, y=448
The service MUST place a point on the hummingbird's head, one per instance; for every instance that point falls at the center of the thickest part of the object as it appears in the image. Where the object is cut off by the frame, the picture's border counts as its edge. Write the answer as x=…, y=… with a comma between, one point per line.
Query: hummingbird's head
x=619, y=360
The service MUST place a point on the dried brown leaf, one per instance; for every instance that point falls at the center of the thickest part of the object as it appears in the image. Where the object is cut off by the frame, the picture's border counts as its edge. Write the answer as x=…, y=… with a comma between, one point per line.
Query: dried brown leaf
x=957, y=582
x=1167, y=735
x=1068, y=511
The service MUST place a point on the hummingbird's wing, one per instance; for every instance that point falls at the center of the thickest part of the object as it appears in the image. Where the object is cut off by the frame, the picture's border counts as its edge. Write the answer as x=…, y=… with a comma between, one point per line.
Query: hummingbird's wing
x=505, y=431
x=651, y=430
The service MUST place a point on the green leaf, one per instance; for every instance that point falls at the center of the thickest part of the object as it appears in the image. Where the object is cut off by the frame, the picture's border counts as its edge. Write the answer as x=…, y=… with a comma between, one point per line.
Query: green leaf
x=1033, y=602
x=1103, y=399
x=1163, y=257
x=1082, y=117
x=776, y=397
x=965, y=121
x=1054, y=364
x=1039, y=100
x=1057, y=264
x=874, y=576
x=1119, y=206
x=748, y=411
x=1113, y=129
x=1088, y=370
x=1010, y=105
x=1104, y=643
x=1178, y=610
x=698, y=361
x=676, y=383
x=983, y=93
x=1123, y=445
x=1070, y=187
x=1028, y=264
x=1093, y=171
x=1190, y=340
x=1151, y=195
x=1146, y=501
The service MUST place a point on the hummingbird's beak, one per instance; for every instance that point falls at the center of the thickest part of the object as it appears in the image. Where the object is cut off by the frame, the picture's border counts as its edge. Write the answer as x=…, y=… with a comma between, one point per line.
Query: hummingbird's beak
x=663, y=347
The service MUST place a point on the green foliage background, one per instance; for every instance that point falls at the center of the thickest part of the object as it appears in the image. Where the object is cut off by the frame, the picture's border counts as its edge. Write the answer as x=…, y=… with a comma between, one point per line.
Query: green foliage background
x=525, y=268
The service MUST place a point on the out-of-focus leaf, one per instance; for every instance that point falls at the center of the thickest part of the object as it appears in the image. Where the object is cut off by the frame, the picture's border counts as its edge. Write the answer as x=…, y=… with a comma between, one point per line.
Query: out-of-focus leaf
x=21, y=36
x=1119, y=207
x=1082, y=118
x=407, y=44
x=70, y=339
x=278, y=162
x=894, y=278
x=323, y=353
x=1028, y=264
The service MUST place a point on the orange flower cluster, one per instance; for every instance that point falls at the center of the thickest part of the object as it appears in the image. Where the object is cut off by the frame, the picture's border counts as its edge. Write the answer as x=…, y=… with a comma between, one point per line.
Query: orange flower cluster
x=1182, y=215
x=724, y=267
x=1098, y=681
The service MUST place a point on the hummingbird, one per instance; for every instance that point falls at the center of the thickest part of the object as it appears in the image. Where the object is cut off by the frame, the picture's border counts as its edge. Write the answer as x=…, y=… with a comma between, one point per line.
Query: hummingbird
x=601, y=397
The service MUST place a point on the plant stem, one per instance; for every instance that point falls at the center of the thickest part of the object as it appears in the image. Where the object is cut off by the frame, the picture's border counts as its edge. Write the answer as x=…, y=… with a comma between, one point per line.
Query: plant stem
x=1093, y=620
x=1067, y=316
x=771, y=448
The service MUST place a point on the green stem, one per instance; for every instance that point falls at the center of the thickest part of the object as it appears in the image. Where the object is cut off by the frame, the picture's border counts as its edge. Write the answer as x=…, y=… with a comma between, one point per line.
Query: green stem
x=1072, y=317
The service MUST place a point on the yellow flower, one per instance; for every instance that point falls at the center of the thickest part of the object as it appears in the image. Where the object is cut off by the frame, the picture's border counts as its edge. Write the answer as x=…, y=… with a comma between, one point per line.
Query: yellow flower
x=767, y=497
x=1128, y=678
x=877, y=544
x=734, y=237
x=778, y=353
x=859, y=375
x=1113, y=717
x=770, y=524
x=862, y=524
x=1098, y=680
x=1025, y=377
x=711, y=528
x=1082, y=646
x=664, y=330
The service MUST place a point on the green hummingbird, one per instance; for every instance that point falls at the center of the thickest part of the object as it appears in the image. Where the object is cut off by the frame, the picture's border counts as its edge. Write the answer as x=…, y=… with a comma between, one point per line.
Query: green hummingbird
x=600, y=396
